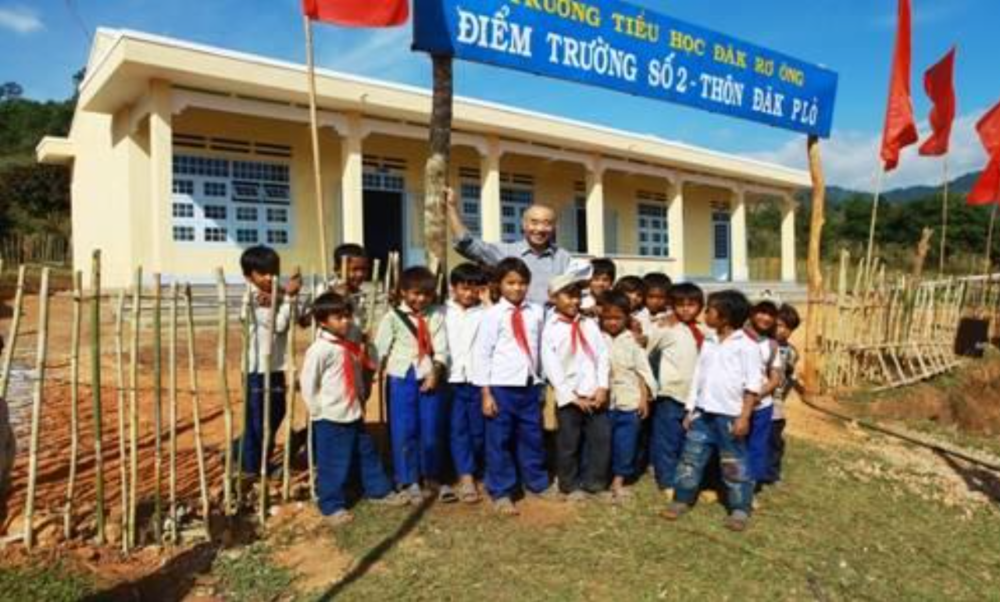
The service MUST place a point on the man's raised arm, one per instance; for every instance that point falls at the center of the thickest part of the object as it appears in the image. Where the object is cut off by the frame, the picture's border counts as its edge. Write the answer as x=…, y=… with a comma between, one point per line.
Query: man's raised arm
x=468, y=245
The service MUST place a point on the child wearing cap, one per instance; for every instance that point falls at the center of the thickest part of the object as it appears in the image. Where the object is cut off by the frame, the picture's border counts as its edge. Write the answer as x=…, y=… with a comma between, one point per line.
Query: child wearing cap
x=576, y=364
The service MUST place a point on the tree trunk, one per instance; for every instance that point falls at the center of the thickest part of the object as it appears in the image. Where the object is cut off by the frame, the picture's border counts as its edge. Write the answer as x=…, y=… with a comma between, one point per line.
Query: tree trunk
x=436, y=170
x=920, y=256
x=814, y=267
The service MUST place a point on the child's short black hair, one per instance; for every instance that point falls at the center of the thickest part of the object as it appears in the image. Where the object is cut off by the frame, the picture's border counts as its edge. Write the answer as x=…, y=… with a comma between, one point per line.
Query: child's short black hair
x=657, y=281
x=790, y=316
x=732, y=306
x=687, y=291
x=468, y=273
x=348, y=250
x=260, y=259
x=631, y=284
x=602, y=266
x=331, y=304
x=418, y=278
x=616, y=299
x=765, y=307
x=511, y=264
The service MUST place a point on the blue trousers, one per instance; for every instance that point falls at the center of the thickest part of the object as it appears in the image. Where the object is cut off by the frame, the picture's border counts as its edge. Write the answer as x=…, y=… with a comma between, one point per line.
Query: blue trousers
x=253, y=431
x=418, y=425
x=344, y=450
x=759, y=444
x=468, y=429
x=515, y=452
x=668, y=438
x=625, y=427
x=714, y=433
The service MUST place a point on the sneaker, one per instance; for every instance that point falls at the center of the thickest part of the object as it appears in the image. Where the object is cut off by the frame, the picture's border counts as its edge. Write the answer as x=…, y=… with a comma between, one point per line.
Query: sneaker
x=338, y=518
x=550, y=494
x=737, y=521
x=505, y=507
x=414, y=494
x=577, y=497
x=675, y=510
x=392, y=499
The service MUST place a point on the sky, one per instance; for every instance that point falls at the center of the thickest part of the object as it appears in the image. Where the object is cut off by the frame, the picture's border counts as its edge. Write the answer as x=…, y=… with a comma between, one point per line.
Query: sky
x=43, y=42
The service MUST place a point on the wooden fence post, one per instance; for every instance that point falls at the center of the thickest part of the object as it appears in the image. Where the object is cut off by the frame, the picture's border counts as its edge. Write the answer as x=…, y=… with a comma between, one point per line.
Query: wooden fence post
x=36, y=407
x=74, y=396
x=95, y=387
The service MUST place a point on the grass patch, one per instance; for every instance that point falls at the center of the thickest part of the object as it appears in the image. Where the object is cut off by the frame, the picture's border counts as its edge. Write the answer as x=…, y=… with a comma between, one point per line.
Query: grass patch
x=248, y=575
x=52, y=582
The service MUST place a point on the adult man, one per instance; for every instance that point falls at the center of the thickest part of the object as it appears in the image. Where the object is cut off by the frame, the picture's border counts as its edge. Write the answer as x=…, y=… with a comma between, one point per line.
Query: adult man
x=537, y=249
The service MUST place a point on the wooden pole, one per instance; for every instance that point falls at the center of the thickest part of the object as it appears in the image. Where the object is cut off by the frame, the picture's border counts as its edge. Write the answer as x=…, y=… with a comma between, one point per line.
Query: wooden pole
x=266, y=431
x=309, y=425
x=286, y=477
x=814, y=267
x=943, y=258
x=120, y=395
x=871, y=229
x=74, y=397
x=15, y=325
x=314, y=136
x=988, y=264
x=436, y=169
x=95, y=387
x=172, y=395
x=196, y=407
x=227, y=408
x=36, y=407
x=133, y=410
x=157, y=408
x=246, y=315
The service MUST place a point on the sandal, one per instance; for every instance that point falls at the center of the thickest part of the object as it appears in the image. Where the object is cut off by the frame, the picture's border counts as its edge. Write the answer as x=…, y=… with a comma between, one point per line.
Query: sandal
x=339, y=518
x=504, y=507
x=468, y=494
x=447, y=495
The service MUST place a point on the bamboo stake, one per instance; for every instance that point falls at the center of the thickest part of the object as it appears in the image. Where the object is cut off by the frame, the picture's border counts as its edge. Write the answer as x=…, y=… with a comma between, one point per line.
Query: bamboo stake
x=74, y=410
x=246, y=315
x=871, y=230
x=196, y=407
x=133, y=410
x=942, y=260
x=36, y=407
x=223, y=330
x=286, y=479
x=95, y=387
x=15, y=325
x=157, y=409
x=987, y=265
x=172, y=393
x=309, y=425
x=314, y=138
x=120, y=395
x=266, y=434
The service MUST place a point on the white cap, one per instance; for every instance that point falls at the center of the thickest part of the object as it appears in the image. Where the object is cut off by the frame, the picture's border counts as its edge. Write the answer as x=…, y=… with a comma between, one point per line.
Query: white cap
x=576, y=272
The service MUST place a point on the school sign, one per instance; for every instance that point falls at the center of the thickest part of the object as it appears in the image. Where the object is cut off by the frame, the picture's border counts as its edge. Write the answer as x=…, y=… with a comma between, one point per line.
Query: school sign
x=623, y=47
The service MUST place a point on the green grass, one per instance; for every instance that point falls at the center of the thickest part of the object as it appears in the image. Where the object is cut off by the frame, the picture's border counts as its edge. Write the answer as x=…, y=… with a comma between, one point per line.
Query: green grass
x=248, y=575
x=50, y=583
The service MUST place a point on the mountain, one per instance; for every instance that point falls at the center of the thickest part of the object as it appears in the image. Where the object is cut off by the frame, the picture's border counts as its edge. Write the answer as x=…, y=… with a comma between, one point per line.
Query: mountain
x=836, y=194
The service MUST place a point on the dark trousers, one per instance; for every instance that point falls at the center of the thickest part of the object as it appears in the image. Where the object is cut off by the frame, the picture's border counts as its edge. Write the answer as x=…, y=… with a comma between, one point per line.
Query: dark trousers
x=468, y=429
x=710, y=434
x=777, y=451
x=625, y=428
x=515, y=452
x=418, y=427
x=253, y=430
x=668, y=437
x=586, y=437
x=759, y=443
x=343, y=450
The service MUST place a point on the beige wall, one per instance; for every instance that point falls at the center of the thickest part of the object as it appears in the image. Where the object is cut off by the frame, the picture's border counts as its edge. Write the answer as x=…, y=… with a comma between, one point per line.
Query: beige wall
x=698, y=249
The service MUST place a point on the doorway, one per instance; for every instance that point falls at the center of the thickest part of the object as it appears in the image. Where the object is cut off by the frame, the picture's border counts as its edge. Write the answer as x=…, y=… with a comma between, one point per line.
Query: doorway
x=721, y=245
x=383, y=217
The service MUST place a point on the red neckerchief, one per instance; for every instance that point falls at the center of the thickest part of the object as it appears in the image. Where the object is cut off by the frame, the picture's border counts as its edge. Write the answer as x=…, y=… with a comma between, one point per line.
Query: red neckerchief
x=699, y=336
x=521, y=332
x=750, y=333
x=354, y=353
x=577, y=339
x=425, y=348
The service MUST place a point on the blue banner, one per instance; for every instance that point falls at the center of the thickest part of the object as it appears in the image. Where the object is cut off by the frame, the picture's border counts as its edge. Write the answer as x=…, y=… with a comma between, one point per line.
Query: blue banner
x=624, y=47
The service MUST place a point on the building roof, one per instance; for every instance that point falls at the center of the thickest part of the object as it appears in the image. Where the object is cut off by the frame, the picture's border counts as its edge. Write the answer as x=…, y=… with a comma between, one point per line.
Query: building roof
x=123, y=62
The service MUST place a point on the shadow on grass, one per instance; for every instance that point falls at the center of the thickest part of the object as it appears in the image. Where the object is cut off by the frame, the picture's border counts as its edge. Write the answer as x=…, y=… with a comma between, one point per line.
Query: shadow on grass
x=376, y=553
x=976, y=478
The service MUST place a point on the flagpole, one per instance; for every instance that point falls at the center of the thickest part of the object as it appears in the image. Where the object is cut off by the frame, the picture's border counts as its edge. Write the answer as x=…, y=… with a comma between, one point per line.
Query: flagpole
x=944, y=219
x=314, y=131
x=871, y=230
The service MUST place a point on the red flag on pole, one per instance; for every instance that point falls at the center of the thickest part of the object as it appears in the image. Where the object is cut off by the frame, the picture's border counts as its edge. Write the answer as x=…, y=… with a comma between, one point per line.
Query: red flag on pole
x=358, y=13
x=989, y=131
x=987, y=188
x=900, y=129
x=939, y=82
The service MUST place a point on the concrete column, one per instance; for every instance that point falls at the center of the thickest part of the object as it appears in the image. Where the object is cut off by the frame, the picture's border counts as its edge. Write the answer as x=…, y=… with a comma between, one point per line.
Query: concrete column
x=595, y=207
x=675, y=226
x=788, y=259
x=160, y=170
x=489, y=175
x=351, y=188
x=740, y=269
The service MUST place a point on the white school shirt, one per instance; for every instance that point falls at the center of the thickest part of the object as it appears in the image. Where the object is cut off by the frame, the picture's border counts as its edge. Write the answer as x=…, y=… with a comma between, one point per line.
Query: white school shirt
x=498, y=360
x=322, y=381
x=462, y=325
x=770, y=360
x=644, y=319
x=571, y=374
x=675, y=350
x=726, y=370
x=630, y=370
x=259, y=335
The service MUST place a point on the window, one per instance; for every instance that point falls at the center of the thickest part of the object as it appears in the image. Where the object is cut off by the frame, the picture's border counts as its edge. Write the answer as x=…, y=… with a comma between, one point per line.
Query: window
x=222, y=201
x=470, y=203
x=653, y=237
x=514, y=201
x=581, y=225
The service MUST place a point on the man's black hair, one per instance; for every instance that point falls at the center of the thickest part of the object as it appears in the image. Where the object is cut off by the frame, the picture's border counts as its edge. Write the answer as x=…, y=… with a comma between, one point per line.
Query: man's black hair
x=260, y=259
x=790, y=316
x=331, y=304
x=631, y=284
x=657, y=281
x=604, y=267
x=765, y=307
x=618, y=300
x=732, y=306
x=468, y=273
x=348, y=250
x=512, y=264
x=687, y=291
x=418, y=278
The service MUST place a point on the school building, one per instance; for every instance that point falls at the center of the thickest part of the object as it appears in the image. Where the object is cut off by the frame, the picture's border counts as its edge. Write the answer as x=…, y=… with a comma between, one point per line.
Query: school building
x=184, y=154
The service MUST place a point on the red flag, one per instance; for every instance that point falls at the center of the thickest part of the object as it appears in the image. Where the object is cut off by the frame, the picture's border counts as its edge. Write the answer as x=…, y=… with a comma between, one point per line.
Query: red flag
x=900, y=129
x=358, y=13
x=989, y=131
x=939, y=82
x=987, y=189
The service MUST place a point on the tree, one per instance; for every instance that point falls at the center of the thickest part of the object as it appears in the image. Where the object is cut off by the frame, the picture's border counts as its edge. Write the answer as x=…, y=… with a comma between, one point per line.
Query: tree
x=11, y=91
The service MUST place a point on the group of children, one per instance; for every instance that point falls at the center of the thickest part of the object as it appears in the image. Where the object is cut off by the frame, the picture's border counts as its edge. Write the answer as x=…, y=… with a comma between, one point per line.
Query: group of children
x=635, y=380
